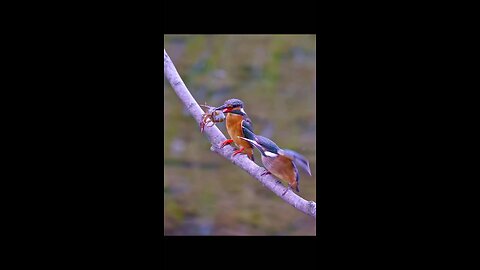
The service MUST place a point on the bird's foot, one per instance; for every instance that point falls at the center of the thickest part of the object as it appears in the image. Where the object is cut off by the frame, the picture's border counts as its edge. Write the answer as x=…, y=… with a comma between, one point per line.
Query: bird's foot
x=238, y=151
x=229, y=141
x=286, y=190
x=265, y=173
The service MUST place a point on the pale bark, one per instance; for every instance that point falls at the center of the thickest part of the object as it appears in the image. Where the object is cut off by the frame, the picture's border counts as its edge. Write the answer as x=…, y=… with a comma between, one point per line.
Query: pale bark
x=216, y=137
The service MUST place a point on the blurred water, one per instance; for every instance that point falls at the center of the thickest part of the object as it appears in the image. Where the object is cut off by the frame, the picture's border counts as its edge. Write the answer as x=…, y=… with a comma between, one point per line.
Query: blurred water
x=275, y=77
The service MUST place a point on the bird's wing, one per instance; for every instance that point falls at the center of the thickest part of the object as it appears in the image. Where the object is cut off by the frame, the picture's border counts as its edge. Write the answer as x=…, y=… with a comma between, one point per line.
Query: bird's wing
x=296, y=157
x=247, y=129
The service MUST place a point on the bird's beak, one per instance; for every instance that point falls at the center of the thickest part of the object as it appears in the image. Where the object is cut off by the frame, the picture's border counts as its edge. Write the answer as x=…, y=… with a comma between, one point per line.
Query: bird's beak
x=223, y=108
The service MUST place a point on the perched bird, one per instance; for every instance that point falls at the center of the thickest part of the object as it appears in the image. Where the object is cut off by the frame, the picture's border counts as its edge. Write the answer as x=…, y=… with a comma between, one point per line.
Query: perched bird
x=279, y=162
x=238, y=124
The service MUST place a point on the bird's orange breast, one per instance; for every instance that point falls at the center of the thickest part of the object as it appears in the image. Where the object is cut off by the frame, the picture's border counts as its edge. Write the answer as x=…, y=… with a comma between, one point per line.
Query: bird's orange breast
x=234, y=129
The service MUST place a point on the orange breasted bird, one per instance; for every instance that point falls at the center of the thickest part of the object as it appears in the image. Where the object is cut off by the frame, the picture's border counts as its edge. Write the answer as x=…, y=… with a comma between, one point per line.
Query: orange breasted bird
x=238, y=125
x=280, y=162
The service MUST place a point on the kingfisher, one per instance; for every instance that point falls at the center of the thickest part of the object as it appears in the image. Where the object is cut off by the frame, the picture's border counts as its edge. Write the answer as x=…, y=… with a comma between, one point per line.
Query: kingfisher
x=279, y=162
x=238, y=125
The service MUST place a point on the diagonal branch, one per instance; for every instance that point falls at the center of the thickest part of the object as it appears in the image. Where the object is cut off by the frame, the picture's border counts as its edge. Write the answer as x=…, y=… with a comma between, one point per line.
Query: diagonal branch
x=216, y=137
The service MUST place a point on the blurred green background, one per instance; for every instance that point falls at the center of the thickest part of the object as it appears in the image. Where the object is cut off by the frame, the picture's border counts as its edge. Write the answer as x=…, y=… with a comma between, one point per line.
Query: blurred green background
x=274, y=75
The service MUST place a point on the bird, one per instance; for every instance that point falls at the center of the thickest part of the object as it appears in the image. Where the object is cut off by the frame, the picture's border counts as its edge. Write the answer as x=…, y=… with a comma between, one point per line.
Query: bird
x=279, y=162
x=238, y=125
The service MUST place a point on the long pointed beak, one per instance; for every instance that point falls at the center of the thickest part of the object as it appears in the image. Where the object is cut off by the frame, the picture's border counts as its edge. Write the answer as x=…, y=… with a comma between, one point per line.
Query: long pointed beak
x=222, y=108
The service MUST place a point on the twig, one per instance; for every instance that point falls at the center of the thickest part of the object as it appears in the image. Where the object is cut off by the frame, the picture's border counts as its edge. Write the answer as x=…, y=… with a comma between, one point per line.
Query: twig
x=216, y=137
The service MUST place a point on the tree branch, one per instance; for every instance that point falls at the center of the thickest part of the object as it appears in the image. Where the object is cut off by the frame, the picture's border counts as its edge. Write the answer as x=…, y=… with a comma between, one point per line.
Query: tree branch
x=216, y=137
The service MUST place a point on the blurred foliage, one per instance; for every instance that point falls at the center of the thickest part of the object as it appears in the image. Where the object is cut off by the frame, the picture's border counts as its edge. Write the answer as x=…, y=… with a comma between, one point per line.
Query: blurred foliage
x=275, y=77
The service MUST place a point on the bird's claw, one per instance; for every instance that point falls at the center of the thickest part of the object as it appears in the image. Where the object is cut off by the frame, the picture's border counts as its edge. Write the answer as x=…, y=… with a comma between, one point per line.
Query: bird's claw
x=229, y=141
x=265, y=173
x=237, y=151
